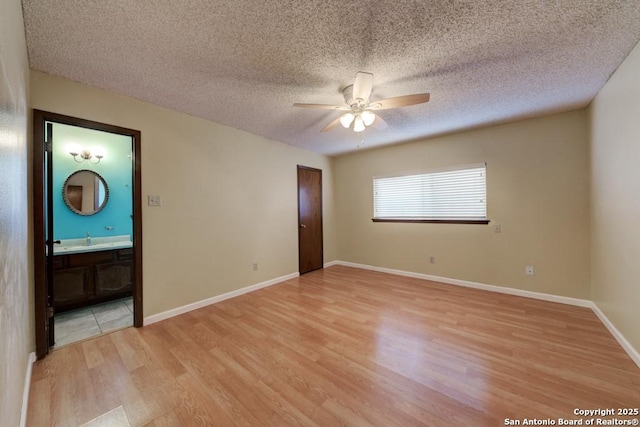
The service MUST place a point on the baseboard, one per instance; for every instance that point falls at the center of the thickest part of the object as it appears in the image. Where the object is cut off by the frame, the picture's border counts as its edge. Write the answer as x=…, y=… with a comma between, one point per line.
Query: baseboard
x=632, y=352
x=492, y=288
x=626, y=345
x=27, y=388
x=331, y=263
x=203, y=303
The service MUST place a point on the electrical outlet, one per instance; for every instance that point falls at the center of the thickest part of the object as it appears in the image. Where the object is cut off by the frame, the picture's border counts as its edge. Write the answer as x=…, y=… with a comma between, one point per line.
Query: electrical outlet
x=528, y=270
x=255, y=266
x=432, y=260
x=154, y=200
x=497, y=228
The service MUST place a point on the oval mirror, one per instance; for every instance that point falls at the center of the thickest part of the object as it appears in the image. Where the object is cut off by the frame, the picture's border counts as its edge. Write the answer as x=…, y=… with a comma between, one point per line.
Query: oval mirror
x=85, y=192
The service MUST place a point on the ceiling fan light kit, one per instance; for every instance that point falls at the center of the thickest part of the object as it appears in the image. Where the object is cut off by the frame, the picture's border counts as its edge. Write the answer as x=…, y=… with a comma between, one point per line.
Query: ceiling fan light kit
x=346, y=120
x=358, y=124
x=368, y=117
x=359, y=116
x=360, y=111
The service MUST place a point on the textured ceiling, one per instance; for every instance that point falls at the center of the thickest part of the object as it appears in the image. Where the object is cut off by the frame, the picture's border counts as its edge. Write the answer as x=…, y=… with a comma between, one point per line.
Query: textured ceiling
x=243, y=63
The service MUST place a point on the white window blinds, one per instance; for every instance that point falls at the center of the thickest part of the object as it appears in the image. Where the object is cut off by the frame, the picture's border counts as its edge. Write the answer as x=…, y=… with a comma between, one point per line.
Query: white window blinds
x=452, y=194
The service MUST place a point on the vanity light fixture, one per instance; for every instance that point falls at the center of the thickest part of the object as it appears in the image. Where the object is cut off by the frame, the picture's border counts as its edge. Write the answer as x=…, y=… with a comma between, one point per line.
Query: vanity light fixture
x=85, y=155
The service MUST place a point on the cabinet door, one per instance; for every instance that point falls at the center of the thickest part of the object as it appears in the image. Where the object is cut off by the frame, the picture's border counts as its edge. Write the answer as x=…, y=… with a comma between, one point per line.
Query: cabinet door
x=114, y=278
x=70, y=287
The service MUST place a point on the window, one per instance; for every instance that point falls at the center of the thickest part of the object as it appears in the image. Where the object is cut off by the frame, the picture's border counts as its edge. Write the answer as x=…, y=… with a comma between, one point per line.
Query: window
x=457, y=195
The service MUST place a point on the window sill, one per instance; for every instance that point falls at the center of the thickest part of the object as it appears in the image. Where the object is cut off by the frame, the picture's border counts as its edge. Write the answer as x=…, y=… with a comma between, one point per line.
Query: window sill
x=433, y=221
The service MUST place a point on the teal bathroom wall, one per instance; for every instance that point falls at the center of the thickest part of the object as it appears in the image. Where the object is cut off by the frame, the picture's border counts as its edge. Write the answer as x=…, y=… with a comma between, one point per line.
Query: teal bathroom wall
x=115, y=168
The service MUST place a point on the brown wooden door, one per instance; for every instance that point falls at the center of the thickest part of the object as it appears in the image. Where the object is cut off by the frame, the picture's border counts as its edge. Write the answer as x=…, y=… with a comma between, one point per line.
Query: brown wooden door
x=310, y=245
x=74, y=196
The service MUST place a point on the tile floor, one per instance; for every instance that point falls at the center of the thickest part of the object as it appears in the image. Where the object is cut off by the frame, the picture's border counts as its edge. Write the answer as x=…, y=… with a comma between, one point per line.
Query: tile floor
x=88, y=322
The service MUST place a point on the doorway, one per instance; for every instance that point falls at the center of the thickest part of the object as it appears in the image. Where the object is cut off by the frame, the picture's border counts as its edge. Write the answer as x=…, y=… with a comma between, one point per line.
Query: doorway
x=310, y=243
x=87, y=226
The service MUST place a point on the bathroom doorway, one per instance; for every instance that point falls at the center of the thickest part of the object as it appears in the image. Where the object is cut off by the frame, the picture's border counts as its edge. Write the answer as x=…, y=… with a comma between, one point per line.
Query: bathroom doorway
x=87, y=229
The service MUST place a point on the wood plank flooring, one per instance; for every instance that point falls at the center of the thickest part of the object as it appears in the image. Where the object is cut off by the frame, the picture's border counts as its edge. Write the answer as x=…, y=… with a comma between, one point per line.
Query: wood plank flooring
x=344, y=346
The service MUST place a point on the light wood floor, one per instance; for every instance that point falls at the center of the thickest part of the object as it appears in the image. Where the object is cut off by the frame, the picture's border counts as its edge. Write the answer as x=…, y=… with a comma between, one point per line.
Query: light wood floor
x=344, y=346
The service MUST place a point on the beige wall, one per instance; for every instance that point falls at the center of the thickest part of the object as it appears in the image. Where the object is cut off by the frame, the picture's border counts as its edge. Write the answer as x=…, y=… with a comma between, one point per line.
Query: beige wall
x=615, y=198
x=229, y=198
x=16, y=324
x=537, y=185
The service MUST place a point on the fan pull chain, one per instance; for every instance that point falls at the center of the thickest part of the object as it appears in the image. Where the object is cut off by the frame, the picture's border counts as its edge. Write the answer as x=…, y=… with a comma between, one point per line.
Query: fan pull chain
x=361, y=141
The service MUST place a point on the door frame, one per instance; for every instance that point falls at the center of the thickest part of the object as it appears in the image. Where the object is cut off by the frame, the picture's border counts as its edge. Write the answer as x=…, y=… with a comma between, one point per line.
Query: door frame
x=299, y=168
x=39, y=220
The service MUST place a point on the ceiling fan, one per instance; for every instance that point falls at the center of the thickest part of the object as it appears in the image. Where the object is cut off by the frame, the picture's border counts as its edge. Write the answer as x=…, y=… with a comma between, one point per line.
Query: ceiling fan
x=360, y=110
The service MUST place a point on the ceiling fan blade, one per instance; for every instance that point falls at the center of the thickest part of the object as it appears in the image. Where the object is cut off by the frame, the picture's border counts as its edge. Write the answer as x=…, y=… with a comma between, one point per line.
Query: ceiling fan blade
x=379, y=124
x=323, y=106
x=400, y=101
x=331, y=125
x=362, y=86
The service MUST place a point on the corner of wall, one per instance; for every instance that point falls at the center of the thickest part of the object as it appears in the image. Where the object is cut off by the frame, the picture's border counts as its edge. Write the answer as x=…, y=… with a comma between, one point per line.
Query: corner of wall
x=16, y=323
x=613, y=174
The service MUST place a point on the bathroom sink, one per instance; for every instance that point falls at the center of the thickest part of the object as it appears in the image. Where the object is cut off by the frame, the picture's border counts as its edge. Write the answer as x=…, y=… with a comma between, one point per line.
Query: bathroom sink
x=74, y=246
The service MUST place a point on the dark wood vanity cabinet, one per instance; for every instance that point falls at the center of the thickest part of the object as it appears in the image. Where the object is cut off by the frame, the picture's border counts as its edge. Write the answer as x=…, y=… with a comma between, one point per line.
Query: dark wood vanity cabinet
x=91, y=277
